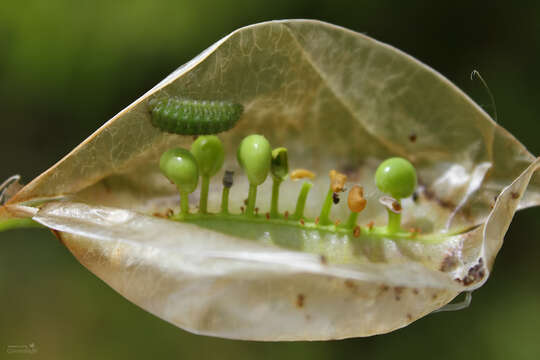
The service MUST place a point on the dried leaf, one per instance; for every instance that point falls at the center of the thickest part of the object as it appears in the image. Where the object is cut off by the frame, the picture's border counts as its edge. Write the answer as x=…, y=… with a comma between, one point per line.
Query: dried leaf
x=337, y=100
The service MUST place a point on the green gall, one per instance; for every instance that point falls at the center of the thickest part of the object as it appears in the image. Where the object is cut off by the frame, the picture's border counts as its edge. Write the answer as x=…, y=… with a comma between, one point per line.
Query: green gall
x=210, y=154
x=397, y=177
x=254, y=156
x=180, y=166
x=280, y=164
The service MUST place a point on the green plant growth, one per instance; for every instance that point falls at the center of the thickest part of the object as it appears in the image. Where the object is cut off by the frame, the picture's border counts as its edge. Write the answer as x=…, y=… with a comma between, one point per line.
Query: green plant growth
x=180, y=167
x=394, y=176
x=397, y=177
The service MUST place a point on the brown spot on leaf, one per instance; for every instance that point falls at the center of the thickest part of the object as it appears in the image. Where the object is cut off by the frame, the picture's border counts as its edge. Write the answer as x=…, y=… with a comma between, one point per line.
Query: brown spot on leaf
x=449, y=262
x=167, y=214
x=302, y=222
x=286, y=214
x=515, y=195
x=475, y=273
x=409, y=317
x=398, y=290
x=356, y=231
x=412, y=137
x=267, y=216
x=370, y=225
x=350, y=284
x=300, y=299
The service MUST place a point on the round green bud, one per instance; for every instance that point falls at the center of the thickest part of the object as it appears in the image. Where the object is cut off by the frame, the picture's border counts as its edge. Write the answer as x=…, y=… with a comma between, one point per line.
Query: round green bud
x=280, y=163
x=180, y=166
x=209, y=152
x=397, y=177
x=254, y=156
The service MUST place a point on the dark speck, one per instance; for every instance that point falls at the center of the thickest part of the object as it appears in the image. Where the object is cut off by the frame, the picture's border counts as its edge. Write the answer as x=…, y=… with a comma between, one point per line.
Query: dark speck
x=335, y=198
x=412, y=137
x=449, y=263
x=398, y=290
x=475, y=273
x=351, y=285
x=300, y=300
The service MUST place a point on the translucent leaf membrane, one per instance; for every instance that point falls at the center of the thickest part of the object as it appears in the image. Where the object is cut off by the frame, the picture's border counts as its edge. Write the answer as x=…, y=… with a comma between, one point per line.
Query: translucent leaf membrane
x=337, y=100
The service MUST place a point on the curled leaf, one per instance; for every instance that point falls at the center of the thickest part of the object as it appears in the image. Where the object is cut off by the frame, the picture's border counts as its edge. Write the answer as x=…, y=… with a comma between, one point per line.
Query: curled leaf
x=336, y=100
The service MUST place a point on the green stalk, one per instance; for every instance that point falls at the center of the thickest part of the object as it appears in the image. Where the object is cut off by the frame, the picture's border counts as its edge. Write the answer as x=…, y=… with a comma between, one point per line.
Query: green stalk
x=16, y=223
x=204, y=194
x=275, y=197
x=351, y=222
x=394, y=221
x=225, y=200
x=301, y=202
x=252, y=196
x=184, y=203
x=324, y=218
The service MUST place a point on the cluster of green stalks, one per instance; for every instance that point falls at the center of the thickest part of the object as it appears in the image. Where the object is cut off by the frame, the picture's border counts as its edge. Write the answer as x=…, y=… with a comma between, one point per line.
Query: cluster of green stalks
x=394, y=176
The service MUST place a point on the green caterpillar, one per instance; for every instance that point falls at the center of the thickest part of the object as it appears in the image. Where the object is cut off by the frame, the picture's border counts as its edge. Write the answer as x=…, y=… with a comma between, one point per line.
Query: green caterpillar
x=194, y=117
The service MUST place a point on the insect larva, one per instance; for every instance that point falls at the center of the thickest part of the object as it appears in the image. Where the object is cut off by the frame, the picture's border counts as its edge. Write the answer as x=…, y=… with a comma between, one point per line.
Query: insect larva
x=194, y=117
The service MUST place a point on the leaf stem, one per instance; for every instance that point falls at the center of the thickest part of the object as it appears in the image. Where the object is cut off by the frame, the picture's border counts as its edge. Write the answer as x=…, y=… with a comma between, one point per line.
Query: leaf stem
x=309, y=224
x=225, y=200
x=18, y=223
x=394, y=221
x=324, y=218
x=252, y=197
x=204, y=194
x=351, y=222
x=301, y=202
x=184, y=203
x=275, y=197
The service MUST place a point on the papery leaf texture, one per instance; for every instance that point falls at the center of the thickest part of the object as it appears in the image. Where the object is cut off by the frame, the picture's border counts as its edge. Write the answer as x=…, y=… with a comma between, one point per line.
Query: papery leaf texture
x=336, y=99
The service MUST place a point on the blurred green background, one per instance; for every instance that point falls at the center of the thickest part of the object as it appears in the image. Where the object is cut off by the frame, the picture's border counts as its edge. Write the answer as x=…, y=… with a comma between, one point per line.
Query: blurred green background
x=68, y=66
